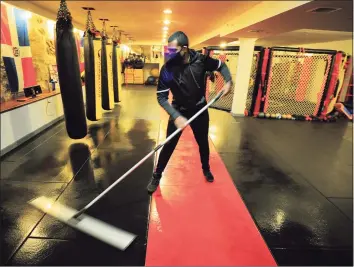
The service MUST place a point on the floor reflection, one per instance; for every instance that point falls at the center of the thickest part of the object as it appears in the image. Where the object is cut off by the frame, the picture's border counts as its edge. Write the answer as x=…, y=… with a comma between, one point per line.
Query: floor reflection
x=284, y=170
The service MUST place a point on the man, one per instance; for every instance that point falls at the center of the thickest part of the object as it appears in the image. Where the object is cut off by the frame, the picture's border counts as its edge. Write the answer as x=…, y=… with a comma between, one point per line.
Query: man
x=184, y=75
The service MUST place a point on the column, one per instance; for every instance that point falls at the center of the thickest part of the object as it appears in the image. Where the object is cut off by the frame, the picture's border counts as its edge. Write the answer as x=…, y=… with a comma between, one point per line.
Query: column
x=243, y=74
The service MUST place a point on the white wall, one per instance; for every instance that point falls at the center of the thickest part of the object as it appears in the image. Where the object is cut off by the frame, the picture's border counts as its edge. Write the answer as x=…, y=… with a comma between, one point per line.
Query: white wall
x=18, y=123
x=345, y=46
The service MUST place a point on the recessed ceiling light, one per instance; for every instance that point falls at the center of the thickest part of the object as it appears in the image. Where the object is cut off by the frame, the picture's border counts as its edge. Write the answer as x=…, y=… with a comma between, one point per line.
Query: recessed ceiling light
x=166, y=22
x=165, y=28
x=223, y=45
x=167, y=11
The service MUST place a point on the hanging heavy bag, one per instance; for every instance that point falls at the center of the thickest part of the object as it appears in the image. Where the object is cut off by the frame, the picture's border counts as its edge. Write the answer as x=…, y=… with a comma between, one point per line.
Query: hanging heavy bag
x=92, y=80
x=104, y=74
x=69, y=75
x=115, y=73
x=110, y=76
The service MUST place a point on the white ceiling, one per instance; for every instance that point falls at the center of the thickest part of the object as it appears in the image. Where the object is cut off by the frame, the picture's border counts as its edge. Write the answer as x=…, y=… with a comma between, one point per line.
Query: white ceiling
x=143, y=20
x=301, y=26
x=205, y=21
x=304, y=36
x=215, y=41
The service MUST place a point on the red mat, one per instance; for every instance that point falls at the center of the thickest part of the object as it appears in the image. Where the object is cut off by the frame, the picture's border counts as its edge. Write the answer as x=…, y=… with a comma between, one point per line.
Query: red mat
x=193, y=222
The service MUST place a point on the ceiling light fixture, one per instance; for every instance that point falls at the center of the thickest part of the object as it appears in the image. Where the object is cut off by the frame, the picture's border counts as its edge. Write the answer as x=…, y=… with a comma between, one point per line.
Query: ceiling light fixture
x=166, y=22
x=324, y=10
x=88, y=8
x=234, y=43
x=165, y=28
x=222, y=45
x=167, y=11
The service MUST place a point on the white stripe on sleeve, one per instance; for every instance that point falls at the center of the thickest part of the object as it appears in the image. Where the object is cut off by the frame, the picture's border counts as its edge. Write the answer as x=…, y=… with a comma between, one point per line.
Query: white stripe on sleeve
x=219, y=64
x=163, y=91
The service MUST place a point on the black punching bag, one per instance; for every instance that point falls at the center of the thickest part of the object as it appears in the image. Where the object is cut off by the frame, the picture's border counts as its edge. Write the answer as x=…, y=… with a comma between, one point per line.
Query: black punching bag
x=110, y=77
x=92, y=81
x=69, y=75
x=115, y=73
x=104, y=74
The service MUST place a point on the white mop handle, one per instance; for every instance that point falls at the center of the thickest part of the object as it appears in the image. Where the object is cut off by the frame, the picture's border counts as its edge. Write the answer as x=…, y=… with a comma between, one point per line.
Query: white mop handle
x=148, y=155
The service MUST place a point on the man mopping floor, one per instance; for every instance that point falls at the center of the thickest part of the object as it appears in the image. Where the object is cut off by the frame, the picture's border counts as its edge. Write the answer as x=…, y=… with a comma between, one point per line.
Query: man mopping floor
x=184, y=75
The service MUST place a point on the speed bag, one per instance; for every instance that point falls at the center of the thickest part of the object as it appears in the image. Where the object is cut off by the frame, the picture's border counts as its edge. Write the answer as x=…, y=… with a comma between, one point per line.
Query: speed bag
x=104, y=77
x=70, y=83
x=92, y=78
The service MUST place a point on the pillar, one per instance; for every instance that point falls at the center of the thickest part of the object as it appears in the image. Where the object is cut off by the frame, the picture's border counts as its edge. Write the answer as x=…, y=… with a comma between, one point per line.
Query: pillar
x=243, y=74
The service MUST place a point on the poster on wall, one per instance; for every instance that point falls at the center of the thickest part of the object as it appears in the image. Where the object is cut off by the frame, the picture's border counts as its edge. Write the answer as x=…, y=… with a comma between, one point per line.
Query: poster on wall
x=53, y=71
x=16, y=58
x=5, y=87
x=54, y=78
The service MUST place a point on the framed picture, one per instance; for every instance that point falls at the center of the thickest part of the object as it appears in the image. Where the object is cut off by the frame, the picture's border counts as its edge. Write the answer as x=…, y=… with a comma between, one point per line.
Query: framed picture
x=53, y=71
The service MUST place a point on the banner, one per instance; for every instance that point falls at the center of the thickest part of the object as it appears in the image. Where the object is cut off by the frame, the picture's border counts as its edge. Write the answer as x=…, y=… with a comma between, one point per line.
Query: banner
x=15, y=49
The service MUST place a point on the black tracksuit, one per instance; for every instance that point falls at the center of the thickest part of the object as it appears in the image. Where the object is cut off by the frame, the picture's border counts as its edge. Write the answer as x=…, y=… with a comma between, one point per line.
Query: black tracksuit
x=186, y=81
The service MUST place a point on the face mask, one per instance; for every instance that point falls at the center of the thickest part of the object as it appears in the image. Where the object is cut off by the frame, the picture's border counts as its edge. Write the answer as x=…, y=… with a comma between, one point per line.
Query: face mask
x=176, y=55
x=173, y=53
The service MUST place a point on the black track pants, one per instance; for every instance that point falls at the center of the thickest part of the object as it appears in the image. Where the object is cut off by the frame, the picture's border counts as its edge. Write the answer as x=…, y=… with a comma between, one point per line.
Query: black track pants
x=200, y=127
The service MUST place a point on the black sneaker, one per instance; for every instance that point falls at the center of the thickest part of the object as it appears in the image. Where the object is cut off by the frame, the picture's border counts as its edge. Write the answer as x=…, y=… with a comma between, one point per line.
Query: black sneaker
x=154, y=183
x=208, y=176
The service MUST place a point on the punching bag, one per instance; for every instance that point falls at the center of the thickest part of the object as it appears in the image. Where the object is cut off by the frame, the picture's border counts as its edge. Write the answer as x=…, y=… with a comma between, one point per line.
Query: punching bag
x=120, y=71
x=104, y=74
x=92, y=81
x=110, y=77
x=69, y=75
x=115, y=73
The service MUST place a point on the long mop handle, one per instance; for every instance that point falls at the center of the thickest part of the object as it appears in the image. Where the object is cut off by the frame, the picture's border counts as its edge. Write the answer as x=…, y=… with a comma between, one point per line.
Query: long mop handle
x=146, y=157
